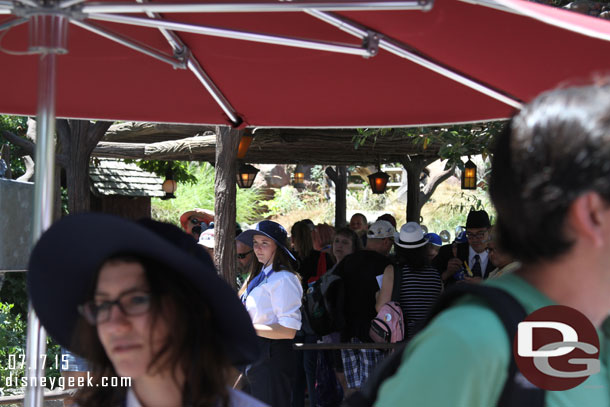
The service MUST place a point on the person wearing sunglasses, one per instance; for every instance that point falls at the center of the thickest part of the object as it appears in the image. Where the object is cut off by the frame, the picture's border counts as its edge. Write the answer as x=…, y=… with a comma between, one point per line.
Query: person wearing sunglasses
x=196, y=221
x=141, y=301
x=245, y=257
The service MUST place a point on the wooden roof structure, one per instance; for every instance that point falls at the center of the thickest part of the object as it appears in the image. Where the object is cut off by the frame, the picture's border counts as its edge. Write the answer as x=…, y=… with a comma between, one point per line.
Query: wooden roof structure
x=269, y=146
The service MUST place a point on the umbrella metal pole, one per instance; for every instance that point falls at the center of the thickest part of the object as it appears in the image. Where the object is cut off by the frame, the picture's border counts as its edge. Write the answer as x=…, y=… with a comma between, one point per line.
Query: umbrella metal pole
x=47, y=36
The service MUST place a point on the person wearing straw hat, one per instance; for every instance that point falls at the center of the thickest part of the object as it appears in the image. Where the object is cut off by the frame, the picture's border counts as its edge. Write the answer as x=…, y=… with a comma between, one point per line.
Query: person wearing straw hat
x=419, y=283
x=141, y=301
x=273, y=300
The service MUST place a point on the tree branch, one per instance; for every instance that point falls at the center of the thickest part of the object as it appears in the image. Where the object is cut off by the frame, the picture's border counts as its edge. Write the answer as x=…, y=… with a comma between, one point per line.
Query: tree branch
x=332, y=174
x=434, y=182
x=24, y=144
x=29, y=169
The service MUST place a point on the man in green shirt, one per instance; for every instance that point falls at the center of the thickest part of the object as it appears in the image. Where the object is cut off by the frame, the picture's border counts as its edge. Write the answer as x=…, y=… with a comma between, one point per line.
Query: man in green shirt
x=550, y=185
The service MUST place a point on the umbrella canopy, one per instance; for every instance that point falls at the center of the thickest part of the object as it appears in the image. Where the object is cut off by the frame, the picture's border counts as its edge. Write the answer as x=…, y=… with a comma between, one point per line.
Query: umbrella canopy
x=495, y=45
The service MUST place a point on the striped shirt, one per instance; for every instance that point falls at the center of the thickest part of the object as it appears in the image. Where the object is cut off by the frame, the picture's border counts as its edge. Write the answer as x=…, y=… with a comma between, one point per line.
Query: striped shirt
x=419, y=289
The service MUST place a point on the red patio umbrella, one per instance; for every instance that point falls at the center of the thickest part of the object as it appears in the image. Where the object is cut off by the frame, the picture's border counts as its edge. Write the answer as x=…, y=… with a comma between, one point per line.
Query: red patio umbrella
x=266, y=84
x=285, y=64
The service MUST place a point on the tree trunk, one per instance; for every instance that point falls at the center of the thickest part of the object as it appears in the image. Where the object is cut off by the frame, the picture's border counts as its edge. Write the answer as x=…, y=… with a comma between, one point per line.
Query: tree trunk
x=227, y=141
x=339, y=177
x=414, y=167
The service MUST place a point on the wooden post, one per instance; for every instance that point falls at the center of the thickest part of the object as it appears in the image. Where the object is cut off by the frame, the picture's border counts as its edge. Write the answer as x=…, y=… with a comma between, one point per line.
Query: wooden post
x=339, y=177
x=5, y=154
x=227, y=141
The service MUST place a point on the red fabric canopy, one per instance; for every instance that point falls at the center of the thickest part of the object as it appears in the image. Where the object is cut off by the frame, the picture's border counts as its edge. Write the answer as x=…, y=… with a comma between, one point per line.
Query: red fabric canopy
x=273, y=85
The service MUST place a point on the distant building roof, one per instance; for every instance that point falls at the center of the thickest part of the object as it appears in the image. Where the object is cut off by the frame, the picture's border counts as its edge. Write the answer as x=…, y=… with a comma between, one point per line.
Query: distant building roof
x=111, y=176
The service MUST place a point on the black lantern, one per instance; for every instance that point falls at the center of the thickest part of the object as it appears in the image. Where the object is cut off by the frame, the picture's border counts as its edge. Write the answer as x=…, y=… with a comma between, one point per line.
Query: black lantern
x=244, y=144
x=469, y=175
x=169, y=185
x=378, y=181
x=299, y=177
x=246, y=175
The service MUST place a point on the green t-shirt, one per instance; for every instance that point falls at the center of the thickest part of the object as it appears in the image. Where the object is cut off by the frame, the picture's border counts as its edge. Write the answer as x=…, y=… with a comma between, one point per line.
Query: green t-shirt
x=461, y=359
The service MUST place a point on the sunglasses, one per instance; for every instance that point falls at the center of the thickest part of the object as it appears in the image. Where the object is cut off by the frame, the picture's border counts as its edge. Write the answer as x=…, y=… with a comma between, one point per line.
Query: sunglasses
x=196, y=221
x=131, y=303
x=243, y=255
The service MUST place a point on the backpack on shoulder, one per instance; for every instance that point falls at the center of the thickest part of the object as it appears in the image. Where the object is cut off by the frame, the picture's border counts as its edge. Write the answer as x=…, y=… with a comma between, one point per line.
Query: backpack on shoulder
x=517, y=391
x=389, y=324
x=323, y=304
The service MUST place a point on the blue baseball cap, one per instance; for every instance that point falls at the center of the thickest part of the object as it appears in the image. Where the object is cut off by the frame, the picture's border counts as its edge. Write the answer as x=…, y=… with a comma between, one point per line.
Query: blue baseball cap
x=461, y=237
x=434, y=239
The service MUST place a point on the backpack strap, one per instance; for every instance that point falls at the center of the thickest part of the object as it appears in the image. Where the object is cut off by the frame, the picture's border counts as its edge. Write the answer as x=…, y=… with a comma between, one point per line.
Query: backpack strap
x=517, y=390
x=397, y=281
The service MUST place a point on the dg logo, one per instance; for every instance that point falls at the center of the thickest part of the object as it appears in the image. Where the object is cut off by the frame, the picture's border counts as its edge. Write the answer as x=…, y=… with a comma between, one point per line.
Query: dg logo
x=557, y=348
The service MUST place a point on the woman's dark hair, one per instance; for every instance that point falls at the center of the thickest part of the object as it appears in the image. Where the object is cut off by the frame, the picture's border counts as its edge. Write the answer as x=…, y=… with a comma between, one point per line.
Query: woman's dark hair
x=193, y=343
x=301, y=239
x=415, y=258
x=556, y=149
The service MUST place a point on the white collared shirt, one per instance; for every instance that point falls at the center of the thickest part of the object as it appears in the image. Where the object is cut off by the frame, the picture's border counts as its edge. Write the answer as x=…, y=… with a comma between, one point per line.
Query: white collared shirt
x=236, y=399
x=483, y=259
x=276, y=300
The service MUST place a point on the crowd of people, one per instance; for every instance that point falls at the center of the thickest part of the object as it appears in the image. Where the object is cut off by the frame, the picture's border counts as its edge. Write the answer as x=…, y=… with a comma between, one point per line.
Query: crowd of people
x=185, y=337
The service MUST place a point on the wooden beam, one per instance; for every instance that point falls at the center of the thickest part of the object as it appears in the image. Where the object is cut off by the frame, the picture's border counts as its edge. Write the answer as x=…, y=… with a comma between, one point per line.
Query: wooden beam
x=227, y=141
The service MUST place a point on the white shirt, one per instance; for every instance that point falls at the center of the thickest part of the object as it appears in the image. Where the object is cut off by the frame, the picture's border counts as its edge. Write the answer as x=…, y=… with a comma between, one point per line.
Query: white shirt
x=276, y=300
x=236, y=399
x=483, y=258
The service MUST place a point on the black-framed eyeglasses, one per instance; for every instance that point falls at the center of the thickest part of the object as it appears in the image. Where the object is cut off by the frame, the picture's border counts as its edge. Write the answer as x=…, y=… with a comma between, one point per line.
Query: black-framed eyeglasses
x=478, y=235
x=131, y=303
x=243, y=255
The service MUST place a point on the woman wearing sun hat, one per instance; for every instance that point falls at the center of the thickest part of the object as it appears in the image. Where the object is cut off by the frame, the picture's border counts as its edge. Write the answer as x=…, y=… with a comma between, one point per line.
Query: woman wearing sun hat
x=420, y=283
x=177, y=326
x=273, y=300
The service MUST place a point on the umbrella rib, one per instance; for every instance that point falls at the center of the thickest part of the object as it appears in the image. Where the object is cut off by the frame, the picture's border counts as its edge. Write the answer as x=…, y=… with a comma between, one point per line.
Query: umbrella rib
x=180, y=49
x=145, y=49
x=254, y=7
x=402, y=51
x=235, y=34
x=13, y=23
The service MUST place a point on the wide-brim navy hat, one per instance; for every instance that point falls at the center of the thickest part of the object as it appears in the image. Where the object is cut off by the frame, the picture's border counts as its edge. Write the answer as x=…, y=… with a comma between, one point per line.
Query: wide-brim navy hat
x=270, y=229
x=65, y=261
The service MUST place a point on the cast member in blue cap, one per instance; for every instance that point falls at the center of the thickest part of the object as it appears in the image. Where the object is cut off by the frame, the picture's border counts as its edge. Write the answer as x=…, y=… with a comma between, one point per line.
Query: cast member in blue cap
x=273, y=300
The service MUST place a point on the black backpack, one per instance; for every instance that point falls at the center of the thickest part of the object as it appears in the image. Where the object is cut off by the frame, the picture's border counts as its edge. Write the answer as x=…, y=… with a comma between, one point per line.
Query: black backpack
x=323, y=304
x=517, y=390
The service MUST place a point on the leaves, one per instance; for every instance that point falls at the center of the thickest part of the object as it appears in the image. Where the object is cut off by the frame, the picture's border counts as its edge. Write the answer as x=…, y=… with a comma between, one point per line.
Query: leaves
x=181, y=170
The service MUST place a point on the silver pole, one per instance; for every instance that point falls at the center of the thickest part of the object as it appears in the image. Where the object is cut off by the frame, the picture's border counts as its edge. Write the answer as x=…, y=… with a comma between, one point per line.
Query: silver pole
x=207, y=83
x=253, y=7
x=47, y=36
x=400, y=51
x=145, y=49
x=12, y=23
x=174, y=41
x=234, y=34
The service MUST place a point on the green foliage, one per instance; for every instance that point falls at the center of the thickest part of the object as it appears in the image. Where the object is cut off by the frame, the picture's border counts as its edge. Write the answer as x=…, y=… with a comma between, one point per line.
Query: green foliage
x=453, y=142
x=285, y=200
x=17, y=125
x=14, y=292
x=13, y=333
x=181, y=170
x=201, y=195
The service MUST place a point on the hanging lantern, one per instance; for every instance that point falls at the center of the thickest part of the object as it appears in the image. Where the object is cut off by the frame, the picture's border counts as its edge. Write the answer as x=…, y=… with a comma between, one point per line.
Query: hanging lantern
x=169, y=185
x=378, y=181
x=246, y=175
x=299, y=177
x=469, y=175
x=244, y=144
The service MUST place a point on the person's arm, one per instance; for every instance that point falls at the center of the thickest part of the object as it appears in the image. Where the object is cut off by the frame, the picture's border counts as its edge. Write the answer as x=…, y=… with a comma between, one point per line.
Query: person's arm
x=274, y=331
x=286, y=294
x=384, y=295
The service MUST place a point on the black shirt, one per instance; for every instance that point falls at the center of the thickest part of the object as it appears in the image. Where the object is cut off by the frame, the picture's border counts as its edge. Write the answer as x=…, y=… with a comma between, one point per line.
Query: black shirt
x=359, y=272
